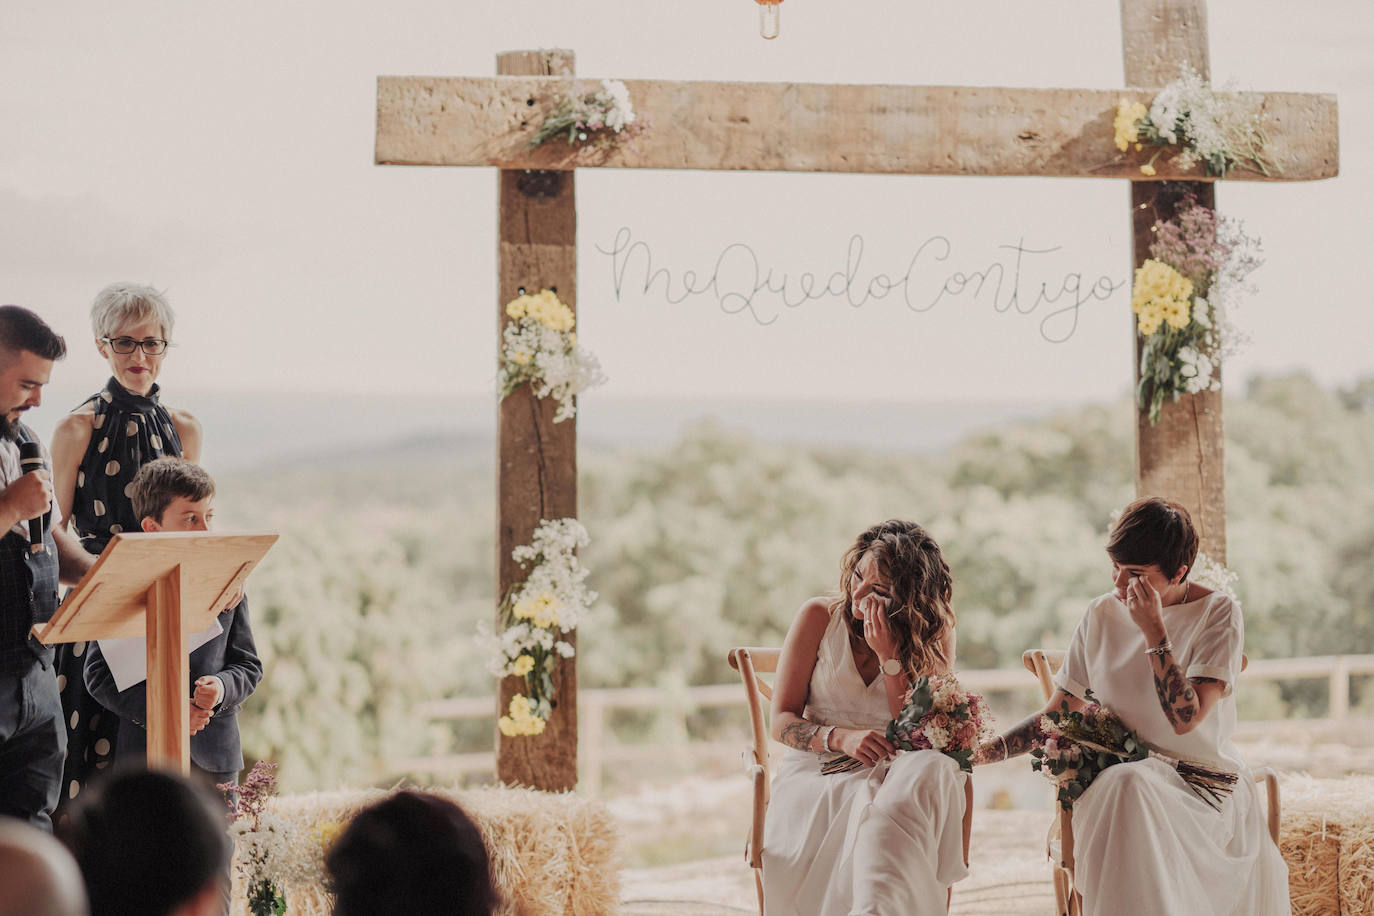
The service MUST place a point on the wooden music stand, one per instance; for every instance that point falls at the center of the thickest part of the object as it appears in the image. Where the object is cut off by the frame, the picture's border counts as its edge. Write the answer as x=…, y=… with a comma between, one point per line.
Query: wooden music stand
x=164, y=586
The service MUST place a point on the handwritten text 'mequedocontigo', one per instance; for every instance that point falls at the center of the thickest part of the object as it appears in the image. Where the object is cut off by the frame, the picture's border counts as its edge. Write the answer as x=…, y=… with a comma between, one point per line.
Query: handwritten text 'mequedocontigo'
x=739, y=283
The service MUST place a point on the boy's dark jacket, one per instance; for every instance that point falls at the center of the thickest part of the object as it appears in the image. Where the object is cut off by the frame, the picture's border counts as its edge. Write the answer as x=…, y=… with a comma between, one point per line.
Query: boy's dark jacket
x=231, y=656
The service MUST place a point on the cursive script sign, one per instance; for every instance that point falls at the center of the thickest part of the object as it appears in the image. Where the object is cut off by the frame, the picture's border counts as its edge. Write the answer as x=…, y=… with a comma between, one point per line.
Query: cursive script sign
x=740, y=284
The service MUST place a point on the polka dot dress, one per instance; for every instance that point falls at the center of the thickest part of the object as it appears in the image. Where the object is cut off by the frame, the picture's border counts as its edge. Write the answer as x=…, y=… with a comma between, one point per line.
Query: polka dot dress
x=126, y=431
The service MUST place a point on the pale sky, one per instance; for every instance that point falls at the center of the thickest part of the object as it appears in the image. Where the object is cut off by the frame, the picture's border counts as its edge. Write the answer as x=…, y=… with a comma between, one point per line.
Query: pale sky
x=224, y=152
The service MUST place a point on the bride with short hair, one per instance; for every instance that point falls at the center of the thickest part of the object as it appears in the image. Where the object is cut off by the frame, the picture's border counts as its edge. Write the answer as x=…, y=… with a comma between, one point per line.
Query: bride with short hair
x=1162, y=653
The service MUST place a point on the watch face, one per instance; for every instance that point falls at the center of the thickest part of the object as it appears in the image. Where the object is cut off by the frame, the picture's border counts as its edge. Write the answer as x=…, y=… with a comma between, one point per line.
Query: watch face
x=892, y=666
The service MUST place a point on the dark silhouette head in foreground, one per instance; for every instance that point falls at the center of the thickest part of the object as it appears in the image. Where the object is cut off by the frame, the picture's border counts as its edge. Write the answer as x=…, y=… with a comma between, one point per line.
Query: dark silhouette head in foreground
x=151, y=844
x=411, y=853
x=38, y=877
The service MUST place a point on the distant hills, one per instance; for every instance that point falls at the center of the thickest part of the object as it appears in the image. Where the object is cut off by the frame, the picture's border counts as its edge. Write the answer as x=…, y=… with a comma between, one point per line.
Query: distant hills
x=244, y=434
x=247, y=432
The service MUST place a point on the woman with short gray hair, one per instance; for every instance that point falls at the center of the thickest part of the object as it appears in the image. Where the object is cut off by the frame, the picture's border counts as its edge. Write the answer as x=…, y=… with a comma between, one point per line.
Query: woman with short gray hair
x=96, y=451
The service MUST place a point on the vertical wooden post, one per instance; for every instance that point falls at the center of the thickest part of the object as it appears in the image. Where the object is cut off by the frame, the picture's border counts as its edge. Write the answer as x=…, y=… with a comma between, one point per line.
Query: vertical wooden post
x=169, y=677
x=1181, y=457
x=590, y=741
x=1340, y=689
x=537, y=464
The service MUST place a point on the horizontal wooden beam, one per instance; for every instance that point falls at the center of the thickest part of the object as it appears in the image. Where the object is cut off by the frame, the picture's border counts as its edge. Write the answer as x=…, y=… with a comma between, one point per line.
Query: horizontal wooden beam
x=809, y=127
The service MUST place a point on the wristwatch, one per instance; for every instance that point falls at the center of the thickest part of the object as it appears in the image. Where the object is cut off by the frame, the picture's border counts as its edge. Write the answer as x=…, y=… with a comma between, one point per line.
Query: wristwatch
x=892, y=667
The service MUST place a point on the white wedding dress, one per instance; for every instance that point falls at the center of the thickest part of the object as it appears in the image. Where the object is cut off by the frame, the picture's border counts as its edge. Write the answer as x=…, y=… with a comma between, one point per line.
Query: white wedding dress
x=1144, y=843
x=877, y=841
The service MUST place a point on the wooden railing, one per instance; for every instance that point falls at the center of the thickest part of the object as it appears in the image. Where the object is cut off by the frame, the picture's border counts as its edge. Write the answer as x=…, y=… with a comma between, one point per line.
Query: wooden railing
x=594, y=704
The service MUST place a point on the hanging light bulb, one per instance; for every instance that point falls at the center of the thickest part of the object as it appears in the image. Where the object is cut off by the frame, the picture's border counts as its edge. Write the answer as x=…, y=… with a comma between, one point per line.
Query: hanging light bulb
x=769, y=17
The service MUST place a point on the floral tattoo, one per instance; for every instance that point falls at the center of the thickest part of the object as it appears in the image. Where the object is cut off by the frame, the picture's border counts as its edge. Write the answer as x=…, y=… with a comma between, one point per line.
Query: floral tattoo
x=1019, y=740
x=799, y=734
x=1176, y=695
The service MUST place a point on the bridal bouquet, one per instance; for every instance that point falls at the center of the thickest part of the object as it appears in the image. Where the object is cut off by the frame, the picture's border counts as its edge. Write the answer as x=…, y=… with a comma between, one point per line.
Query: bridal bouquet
x=937, y=714
x=1198, y=264
x=1079, y=745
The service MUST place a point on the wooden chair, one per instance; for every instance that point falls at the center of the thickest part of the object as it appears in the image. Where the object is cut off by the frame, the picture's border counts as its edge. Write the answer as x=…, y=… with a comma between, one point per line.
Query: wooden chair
x=750, y=663
x=1044, y=664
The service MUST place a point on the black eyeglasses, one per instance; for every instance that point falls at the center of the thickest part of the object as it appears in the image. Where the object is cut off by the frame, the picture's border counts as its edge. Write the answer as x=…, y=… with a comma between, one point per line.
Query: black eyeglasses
x=153, y=346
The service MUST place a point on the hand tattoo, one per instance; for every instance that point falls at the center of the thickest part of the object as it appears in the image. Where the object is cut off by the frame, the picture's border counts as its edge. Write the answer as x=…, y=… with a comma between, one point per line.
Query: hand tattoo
x=799, y=734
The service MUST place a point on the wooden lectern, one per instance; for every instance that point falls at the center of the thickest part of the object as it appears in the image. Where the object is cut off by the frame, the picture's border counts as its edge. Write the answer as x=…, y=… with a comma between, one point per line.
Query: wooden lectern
x=163, y=585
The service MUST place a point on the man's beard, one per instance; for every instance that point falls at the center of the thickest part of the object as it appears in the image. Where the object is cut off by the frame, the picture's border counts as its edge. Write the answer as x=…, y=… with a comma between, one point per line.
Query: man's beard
x=9, y=429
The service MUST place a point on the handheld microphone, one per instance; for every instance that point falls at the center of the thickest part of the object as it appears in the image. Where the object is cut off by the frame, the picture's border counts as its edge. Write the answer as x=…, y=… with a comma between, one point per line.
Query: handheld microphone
x=31, y=459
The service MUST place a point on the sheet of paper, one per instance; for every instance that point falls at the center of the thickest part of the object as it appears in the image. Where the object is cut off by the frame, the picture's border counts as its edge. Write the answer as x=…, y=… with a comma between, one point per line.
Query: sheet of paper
x=128, y=658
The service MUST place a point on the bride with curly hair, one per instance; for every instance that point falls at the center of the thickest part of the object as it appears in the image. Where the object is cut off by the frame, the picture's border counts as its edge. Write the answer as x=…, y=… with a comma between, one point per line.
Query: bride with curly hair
x=887, y=837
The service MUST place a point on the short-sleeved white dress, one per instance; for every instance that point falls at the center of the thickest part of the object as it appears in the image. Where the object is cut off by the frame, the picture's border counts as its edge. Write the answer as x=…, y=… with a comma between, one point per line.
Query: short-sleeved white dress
x=1144, y=843
x=875, y=841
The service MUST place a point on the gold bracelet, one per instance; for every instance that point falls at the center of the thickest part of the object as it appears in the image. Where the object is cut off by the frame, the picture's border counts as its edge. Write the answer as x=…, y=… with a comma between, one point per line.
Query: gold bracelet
x=825, y=742
x=1003, y=739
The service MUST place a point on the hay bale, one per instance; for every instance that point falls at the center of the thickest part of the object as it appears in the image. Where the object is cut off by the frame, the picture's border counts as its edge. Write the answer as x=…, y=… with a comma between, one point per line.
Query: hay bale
x=1327, y=837
x=550, y=852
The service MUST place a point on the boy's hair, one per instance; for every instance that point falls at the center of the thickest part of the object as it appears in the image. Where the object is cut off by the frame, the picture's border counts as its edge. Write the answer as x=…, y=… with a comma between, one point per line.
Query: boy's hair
x=1156, y=531
x=21, y=329
x=162, y=480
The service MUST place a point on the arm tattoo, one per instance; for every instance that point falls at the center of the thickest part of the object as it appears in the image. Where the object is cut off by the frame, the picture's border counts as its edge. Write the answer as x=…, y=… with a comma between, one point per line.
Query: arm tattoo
x=1177, y=697
x=799, y=734
x=1019, y=740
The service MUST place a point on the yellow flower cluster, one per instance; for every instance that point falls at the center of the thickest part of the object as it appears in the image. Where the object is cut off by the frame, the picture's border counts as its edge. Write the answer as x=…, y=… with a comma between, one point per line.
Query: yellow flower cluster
x=1127, y=124
x=1161, y=295
x=522, y=665
x=522, y=720
x=543, y=307
x=541, y=610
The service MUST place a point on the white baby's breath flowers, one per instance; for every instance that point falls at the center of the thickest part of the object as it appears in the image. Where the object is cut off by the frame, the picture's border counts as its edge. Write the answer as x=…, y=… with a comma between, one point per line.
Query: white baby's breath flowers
x=1217, y=127
x=1196, y=370
x=604, y=115
x=1210, y=574
x=616, y=97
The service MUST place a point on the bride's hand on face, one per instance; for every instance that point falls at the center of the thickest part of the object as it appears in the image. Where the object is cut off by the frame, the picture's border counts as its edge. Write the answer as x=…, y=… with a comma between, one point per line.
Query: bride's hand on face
x=1145, y=606
x=877, y=627
x=867, y=747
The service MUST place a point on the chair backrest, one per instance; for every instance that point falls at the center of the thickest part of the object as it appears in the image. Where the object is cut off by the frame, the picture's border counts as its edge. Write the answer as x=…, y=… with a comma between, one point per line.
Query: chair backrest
x=750, y=662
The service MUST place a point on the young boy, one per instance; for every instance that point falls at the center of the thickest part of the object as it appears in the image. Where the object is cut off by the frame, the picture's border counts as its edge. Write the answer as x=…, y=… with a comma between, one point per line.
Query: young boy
x=170, y=494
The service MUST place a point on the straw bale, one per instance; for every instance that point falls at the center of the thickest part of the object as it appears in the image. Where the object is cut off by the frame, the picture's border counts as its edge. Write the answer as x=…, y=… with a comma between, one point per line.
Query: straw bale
x=1327, y=837
x=550, y=852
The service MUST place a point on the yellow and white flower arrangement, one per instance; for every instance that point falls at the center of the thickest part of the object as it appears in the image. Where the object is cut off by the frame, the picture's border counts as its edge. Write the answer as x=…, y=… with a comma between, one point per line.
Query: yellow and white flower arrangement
x=1181, y=299
x=539, y=346
x=537, y=613
x=275, y=849
x=1219, y=129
